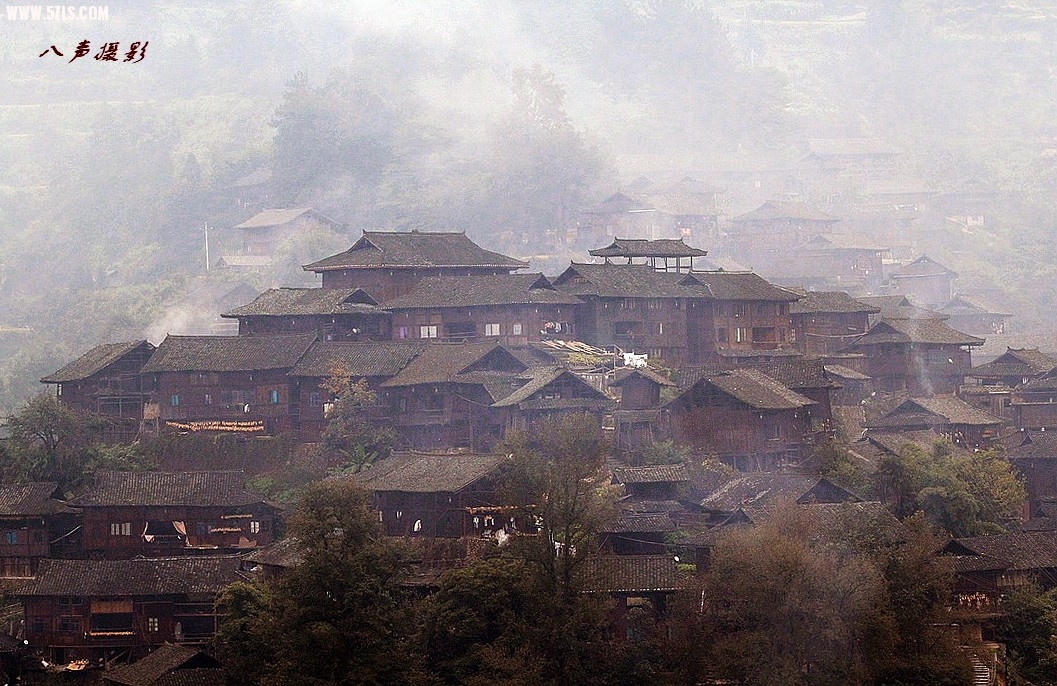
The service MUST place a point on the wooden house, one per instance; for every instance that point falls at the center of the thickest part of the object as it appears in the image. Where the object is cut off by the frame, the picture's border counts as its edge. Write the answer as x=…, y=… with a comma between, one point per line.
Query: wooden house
x=638, y=533
x=764, y=235
x=832, y=261
x=665, y=254
x=273, y=560
x=922, y=356
x=743, y=417
x=897, y=307
x=333, y=314
x=680, y=318
x=36, y=524
x=617, y=215
x=106, y=381
x=100, y=609
x=652, y=482
x=987, y=567
x=1033, y=403
x=224, y=383
x=513, y=309
x=826, y=322
x=947, y=415
x=156, y=514
x=1014, y=367
x=469, y=395
x=438, y=495
x=264, y=231
x=372, y=362
x=1034, y=456
x=688, y=208
x=638, y=419
x=861, y=159
x=169, y=665
x=768, y=491
x=642, y=587
x=924, y=280
x=387, y=264
x=973, y=315
x=809, y=378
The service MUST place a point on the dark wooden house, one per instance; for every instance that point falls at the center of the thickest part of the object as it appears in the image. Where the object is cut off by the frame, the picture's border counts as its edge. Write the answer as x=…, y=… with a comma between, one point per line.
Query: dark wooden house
x=832, y=261
x=224, y=383
x=1014, y=367
x=922, y=356
x=264, y=231
x=387, y=264
x=333, y=314
x=100, y=609
x=987, y=567
x=638, y=420
x=513, y=309
x=470, y=394
x=106, y=381
x=768, y=491
x=973, y=315
x=438, y=495
x=36, y=524
x=897, y=307
x=947, y=415
x=924, y=280
x=826, y=322
x=156, y=514
x=642, y=586
x=743, y=417
x=1034, y=456
x=1034, y=403
x=765, y=234
x=372, y=362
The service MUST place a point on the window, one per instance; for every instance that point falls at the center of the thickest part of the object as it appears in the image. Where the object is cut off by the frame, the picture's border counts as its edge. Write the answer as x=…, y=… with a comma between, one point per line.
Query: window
x=515, y=329
x=69, y=625
x=429, y=331
x=255, y=527
x=660, y=328
x=174, y=400
x=315, y=399
x=208, y=399
x=273, y=396
x=492, y=329
x=721, y=335
x=418, y=525
x=120, y=528
x=10, y=537
x=741, y=335
x=401, y=333
x=152, y=623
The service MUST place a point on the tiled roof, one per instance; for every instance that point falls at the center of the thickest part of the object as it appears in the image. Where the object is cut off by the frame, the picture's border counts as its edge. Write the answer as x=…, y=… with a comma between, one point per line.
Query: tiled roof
x=443, y=362
x=428, y=472
x=640, y=247
x=796, y=373
x=1034, y=445
x=228, y=353
x=358, y=359
x=755, y=389
x=899, y=307
x=162, y=488
x=94, y=361
x=948, y=408
x=775, y=209
x=1046, y=382
x=1023, y=551
x=37, y=498
x=475, y=291
x=839, y=371
x=618, y=203
x=1015, y=362
x=643, y=281
x=193, y=677
x=630, y=574
x=282, y=302
x=541, y=378
x=830, y=302
x=651, y=474
x=278, y=217
x=922, y=266
x=164, y=660
x=136, y=578
x=893, y=441
x=929, y=331
x=653, y=522
x=414, y=249
x=285, y=553
x=770, y=488
x=624, y=374
x=965, y=304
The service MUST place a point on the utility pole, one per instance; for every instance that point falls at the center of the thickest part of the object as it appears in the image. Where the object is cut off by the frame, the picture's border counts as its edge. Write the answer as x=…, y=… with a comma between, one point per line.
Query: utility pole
x=206, y=224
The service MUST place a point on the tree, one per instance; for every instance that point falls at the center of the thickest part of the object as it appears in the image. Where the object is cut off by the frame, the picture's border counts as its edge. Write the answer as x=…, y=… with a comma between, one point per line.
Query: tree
x=1028, y=629
x=349, y=430
x=49, y=442
x=337, y=617
x=966, y=493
